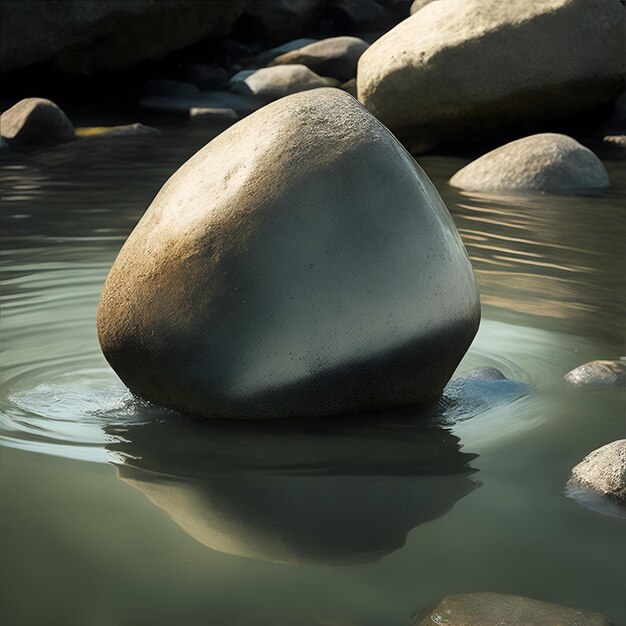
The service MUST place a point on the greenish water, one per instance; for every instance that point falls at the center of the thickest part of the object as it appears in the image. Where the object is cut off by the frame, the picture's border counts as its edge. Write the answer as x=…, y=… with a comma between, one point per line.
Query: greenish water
x=115, y=513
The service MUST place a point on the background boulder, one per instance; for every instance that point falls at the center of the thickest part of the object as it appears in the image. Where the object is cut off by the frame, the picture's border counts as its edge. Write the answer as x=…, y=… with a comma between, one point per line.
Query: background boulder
x=35, y=121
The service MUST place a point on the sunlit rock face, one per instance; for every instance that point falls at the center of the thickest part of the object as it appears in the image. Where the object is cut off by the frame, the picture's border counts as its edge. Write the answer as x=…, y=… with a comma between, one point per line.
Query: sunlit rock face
x=453, y=71
x=335, y=492
x=544, y=162
x=300, y=264
x=35, y=121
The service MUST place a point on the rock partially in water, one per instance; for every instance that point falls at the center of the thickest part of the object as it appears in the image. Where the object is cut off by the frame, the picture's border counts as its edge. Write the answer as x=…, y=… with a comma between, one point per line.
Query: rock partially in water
x=35, y=121
x=603, y=471
x=599, y=373
x=300, y=264
x=127, y=130
x=182, y=105
x=544, y=162
x=271, y=83
x=213, y=114
x=496, y=609
x=478, y=391
x=452, y=72
x=618, y=141
x=336, y=57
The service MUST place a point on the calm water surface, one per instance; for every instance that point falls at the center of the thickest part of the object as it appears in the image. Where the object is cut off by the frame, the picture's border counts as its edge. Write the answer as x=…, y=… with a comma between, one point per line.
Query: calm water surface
x=116, y=513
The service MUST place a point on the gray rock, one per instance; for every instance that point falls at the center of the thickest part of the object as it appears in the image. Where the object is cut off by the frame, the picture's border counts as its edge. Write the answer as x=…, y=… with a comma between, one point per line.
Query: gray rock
x=35, y=121
x=127, y=130
x=271, y=83
x=598, y=374
x=618, y=141
x=202, y=75
x=500, y=609
x=336, y=57
x=262, y=59
x=544, y=162
x=349, y=87
x=300, y=264
x=206, y=100
x=452, y=72
x=213, y=114
x=87, y=36
x=275, y=20
x=603, y=471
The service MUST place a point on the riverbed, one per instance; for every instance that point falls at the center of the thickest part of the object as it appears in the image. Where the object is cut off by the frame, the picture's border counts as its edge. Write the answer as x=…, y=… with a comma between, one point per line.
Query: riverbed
x=118, y=513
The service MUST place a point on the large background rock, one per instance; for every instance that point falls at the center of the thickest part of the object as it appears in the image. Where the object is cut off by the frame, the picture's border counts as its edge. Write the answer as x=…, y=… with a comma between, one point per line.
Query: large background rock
x=86, y=36
x=300, y=264
x=460, y=69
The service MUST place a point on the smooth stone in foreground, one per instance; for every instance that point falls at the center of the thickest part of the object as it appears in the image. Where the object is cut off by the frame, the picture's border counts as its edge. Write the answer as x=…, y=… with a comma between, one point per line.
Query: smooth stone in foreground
x=544, y=162
x=604, y=471
x=453, y=72
x=336, y=57
x=35, y=121
x=500, y=609
x=599, y=374
x=299, y=264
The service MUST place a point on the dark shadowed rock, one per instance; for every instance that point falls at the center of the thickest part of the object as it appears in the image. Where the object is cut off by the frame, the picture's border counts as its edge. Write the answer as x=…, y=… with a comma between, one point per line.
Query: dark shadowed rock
x=603, y=473
x=202, y=75
x=127, y=130
x=300, y=264
x=35, y=121
x=263, y=58
x=452, y=72
x=336, y=57
x=500, y=609
x=205, y=100
x=87, y=36
x=545, y=162
x=271, y=83
x=599, y=374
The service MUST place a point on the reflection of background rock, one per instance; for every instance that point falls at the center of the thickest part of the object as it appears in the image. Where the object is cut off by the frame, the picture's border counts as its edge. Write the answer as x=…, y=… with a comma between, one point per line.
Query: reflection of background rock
x=337, y=492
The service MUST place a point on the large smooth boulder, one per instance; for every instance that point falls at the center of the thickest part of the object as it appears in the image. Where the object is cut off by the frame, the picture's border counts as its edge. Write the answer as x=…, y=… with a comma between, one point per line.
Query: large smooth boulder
x=336, y=57
x=604, y=471
x=271, y=83
x=545, y=162
x=501, y=609
x=299, y=264
x=35, y=121
x=453, y=71
x=87, y=36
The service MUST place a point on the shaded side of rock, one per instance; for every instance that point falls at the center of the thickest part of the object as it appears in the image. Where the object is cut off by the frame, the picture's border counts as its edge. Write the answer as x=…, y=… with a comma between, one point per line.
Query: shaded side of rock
x=599, y=373
x=35, y=121
x=544, y=162
x=127, y=130
x=495, y=609
x=336, y=57
x=452, y=71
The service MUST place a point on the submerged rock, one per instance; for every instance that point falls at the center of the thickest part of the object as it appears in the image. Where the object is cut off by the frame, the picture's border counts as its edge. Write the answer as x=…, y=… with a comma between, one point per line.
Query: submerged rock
x=599, y=374
x=336, y=57
x=603, y=472
x=299, y=264
x=497, y=609
x=128, y=130
x=452, y=72
x=545, y=162
x=271, y=83
x=35, y=121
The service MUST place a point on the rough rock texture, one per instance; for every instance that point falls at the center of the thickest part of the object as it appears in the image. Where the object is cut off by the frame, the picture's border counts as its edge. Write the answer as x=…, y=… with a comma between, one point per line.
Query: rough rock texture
x=299, y=264
x=35, y=121
x=545, y=162
x=271, y=83
x=599, y=374
x=87, y=36
x=127, y=130
x=499, y=609
x=336, y=57
x=604, y=471
x=453, y=71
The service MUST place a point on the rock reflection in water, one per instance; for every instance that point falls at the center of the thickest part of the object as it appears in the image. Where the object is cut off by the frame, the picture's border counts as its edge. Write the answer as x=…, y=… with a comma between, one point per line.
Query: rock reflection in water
x=338, y=492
